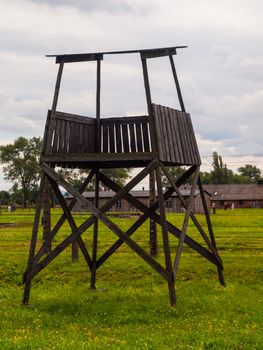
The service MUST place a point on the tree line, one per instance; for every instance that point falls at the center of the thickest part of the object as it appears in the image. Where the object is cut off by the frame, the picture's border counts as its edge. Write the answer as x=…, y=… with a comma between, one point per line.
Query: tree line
x=20, y=164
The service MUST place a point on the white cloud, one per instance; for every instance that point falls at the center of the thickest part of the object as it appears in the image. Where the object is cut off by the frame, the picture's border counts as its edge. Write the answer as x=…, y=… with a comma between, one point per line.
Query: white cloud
x=220, y=73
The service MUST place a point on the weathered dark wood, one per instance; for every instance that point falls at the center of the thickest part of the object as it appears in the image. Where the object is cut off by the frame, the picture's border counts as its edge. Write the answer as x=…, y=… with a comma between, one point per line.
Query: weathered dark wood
x=125, y=138
x=175, y=136
x=153, y=229
x=147, y=53
x=46, y=218
x=164, y=137
x=210, y=229
x=195, y=221
x=166, y=244
x=185, y=223
x=53, y=109
x=151, y=213
x=132, y=138
x=95, y=237
x=63, y=245
x=79, y=241
x=33, y=242
x=62, y=219
x=178, y=89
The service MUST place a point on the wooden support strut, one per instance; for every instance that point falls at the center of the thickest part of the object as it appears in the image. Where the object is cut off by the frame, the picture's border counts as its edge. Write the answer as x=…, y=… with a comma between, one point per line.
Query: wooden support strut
x=192, y=216
x=150, y=212
x=56, y=251
x=61, y=221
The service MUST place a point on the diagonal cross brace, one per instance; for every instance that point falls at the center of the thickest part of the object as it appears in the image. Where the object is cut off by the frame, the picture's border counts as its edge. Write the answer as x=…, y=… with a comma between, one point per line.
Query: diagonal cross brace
x=99, y=214
x=150, y=212
x=211, y=246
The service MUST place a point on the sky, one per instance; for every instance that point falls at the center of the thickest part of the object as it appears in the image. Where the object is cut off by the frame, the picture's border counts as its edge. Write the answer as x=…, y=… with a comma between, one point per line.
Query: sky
x=220, y=73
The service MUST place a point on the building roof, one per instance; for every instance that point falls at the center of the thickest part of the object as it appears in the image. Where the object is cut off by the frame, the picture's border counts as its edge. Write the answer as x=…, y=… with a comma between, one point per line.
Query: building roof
x=233, y=192
x=137, y=194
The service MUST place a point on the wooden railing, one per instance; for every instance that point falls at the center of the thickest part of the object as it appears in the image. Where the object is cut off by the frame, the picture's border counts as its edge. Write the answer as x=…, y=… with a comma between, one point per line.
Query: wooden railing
x=76, y=134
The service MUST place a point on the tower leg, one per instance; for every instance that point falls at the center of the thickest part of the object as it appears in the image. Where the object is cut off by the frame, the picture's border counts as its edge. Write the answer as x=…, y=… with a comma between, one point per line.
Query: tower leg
x=153, y=230
x=27, y=288
x=95, y=237
x=166, y=244
x=210, y=229
x=46, y=221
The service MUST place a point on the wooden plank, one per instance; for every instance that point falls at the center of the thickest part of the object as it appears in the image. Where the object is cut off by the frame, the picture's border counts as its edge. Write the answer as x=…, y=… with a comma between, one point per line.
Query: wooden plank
x=186, y=138
x=70, y=58
x=139, y=137
x=175, y=157
x=62, y=137
x=146, y=137
x=125, y=120
x=183, y=137
x=56, y=136
x=91, y=138
x=168, y=155
x=105, y=147
x=112, y=138
x=179, y=137
x=159, y=133
x=132, y=138
x=99, y=157
x=194, y=143
x=74, y=118
x=158, y=53
x=118, y=138
x=125, y=138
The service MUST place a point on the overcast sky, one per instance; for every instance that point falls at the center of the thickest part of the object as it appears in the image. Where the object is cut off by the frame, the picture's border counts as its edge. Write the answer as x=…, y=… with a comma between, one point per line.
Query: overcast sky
x=221, y=71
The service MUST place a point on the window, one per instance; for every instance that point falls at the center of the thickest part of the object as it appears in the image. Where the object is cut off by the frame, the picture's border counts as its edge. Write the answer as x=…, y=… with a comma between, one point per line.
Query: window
x=119, y=204
x=169, y=203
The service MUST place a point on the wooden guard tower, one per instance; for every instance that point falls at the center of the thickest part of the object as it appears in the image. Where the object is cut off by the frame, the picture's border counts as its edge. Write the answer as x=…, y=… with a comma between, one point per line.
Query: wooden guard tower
x=164, y=137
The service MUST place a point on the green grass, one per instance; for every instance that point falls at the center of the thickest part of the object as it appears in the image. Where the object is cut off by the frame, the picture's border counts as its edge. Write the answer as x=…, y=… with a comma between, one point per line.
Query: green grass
x=130, y=309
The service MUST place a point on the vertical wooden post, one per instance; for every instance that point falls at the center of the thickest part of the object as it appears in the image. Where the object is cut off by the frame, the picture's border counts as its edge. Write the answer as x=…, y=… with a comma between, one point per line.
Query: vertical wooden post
x=176, y=81
x=98, y=146
x=210, y=230
x=46, y=220
x=33, y=241
x=153, y=230
x=166, y=244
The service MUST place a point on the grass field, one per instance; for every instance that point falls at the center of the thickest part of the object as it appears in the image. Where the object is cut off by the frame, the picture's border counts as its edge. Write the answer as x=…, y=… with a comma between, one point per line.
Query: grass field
x=130, y=309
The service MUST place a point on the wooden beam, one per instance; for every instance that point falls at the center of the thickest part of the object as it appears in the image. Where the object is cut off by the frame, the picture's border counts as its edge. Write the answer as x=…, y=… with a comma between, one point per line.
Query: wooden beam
x=62, y=218
x=194, y=219
x=33, y=242
x=70, y=220
x=150, y=212
x=185, y=223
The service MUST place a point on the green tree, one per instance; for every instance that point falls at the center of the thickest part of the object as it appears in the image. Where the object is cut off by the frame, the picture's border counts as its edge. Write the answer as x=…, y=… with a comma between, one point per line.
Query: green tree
x=251, y=172
x=220, y=173
x=175, y=173
x=21, y=165
x=4, y=197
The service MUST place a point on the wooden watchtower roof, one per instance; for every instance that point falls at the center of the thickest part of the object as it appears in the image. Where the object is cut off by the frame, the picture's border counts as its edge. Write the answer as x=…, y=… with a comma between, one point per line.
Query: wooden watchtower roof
x=134, y=141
